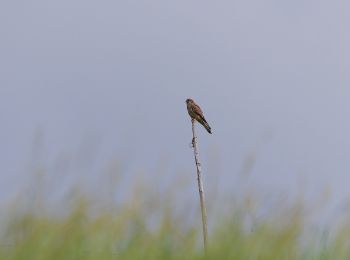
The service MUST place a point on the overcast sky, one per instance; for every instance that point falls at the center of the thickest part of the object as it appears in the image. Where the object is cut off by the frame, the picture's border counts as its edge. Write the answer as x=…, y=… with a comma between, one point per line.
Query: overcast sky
x=108, y=79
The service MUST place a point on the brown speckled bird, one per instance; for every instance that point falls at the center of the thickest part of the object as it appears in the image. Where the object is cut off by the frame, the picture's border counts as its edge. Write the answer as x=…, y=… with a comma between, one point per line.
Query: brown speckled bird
x=196, y=113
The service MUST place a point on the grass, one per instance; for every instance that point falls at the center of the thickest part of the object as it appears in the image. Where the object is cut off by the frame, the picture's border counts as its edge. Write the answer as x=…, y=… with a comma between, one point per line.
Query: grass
x=128, y=233
x=149, y=225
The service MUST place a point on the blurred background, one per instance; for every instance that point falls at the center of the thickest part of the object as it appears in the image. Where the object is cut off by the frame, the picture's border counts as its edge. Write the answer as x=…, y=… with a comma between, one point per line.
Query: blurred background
x=89, y=88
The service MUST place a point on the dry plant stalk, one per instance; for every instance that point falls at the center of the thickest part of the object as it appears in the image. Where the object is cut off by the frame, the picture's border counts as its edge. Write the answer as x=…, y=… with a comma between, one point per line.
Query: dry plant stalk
x=200, y=187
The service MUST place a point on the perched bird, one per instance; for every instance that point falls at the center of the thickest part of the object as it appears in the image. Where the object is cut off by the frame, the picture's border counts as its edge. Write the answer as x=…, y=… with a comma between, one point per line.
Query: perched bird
x=196, y=113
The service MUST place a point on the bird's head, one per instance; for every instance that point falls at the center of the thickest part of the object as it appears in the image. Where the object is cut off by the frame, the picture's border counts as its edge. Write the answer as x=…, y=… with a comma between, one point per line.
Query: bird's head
x=189, y=101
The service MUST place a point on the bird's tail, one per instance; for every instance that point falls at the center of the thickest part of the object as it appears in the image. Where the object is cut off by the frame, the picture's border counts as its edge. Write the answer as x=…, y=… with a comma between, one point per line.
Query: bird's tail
x=205, y=124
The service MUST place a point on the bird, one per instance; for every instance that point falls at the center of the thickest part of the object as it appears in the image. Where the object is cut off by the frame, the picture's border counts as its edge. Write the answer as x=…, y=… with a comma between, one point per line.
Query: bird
x=196, y=114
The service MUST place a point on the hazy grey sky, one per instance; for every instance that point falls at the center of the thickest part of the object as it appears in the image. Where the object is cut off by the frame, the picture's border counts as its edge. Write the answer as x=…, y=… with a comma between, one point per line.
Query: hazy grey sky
x=109, y=79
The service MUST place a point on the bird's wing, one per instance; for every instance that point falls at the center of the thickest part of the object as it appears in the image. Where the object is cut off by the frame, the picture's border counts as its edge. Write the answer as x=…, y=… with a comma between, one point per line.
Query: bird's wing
x=197, y=110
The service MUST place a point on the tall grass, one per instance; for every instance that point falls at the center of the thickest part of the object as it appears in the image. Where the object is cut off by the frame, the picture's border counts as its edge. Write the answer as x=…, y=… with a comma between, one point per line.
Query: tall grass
x=128, y=233
x=148, y=226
